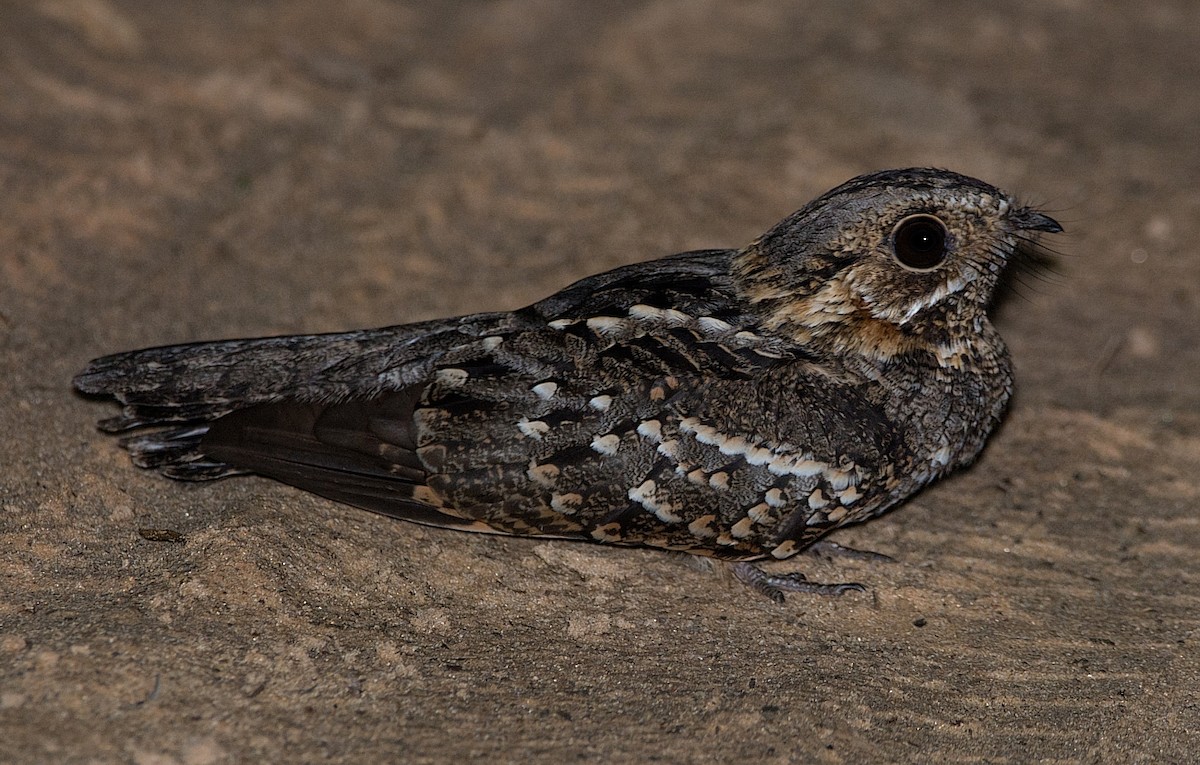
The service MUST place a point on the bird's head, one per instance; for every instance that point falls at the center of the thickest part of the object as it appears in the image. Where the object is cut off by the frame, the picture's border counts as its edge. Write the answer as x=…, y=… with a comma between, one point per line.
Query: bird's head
x=906, y=253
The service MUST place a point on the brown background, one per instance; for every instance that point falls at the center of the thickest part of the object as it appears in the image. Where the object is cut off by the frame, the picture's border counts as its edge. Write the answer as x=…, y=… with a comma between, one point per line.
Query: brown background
x=172, y=172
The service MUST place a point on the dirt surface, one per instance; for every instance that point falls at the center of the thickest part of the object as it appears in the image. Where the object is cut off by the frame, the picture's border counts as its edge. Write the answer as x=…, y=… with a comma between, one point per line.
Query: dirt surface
x=176, y=172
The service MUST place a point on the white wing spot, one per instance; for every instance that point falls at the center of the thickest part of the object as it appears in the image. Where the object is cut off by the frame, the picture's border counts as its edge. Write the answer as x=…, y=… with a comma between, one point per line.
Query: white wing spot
x=640, y=493
x=606, y=444
x=797, y=465
x=732, y=445
x=605, y=325
x=759, y=455
x=817, y=500
x=545, y=390
x=714, y=325
x=561, y=323
x=645, y=496
x=672, y=316
x=849, y=496
x=774, y=498
x=491, y=342
x=532, y=428
x=838, y=479
x=642, y=311
x=600, y=403
x=651, y=429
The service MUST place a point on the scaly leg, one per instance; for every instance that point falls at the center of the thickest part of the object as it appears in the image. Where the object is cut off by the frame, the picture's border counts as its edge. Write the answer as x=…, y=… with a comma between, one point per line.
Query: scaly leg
x=774, y=585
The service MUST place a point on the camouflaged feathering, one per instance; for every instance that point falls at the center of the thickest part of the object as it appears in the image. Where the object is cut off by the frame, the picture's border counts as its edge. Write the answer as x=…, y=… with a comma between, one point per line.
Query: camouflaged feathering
x=739, y=404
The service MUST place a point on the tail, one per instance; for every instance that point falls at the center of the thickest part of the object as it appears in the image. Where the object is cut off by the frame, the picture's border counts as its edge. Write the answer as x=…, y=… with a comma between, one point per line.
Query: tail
x=178, y=391
x=330, y=414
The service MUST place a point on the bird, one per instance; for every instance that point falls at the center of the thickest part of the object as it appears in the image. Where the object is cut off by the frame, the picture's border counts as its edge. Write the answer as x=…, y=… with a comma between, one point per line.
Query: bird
x=739, y=404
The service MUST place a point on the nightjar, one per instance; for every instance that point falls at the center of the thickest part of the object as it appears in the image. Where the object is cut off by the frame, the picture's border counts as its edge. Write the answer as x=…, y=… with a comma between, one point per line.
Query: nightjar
x=739, y=404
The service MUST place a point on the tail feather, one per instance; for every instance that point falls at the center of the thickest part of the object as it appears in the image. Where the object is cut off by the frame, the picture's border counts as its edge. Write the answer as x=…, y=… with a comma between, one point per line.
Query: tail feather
x=359, y=453
x=177, y=453
x=182, y=384
x=176, y=392
x=201, y=381
x=137, y=415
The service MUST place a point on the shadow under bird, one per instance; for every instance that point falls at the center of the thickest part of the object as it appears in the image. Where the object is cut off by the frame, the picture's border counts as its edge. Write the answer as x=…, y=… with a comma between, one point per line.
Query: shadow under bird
x=738, y=404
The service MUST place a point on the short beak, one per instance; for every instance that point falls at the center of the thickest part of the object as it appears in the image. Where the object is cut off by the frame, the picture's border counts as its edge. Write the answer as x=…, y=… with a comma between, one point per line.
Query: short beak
x=1028, y=219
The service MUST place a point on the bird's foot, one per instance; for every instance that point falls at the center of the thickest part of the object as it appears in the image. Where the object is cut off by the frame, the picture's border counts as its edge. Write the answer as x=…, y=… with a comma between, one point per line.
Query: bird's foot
x=775, y=585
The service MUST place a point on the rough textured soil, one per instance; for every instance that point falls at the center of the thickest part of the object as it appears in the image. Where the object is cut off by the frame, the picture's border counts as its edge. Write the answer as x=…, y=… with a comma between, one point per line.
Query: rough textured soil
x=181, y=172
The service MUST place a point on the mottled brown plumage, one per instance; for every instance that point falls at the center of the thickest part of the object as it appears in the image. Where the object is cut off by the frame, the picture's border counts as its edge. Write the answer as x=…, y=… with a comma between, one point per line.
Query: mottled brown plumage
x=739, y=404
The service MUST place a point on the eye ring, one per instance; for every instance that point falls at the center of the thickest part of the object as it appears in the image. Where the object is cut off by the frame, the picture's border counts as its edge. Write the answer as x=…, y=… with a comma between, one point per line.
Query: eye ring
x=919, y=242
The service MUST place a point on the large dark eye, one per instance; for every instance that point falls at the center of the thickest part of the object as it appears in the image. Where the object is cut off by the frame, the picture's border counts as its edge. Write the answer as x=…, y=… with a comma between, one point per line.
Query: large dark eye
x=919, y=242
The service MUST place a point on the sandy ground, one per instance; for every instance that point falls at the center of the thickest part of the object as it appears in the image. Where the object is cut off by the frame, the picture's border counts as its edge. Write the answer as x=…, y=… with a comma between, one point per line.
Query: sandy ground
x=180, y=172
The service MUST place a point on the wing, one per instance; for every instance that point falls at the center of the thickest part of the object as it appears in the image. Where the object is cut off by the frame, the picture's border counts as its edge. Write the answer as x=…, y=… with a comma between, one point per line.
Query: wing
x=608, y=417
x=178, y=390
x=640, y=406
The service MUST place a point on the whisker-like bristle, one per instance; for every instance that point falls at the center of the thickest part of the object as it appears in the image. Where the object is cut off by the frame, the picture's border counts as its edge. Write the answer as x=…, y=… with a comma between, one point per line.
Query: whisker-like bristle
x=1031, y=264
